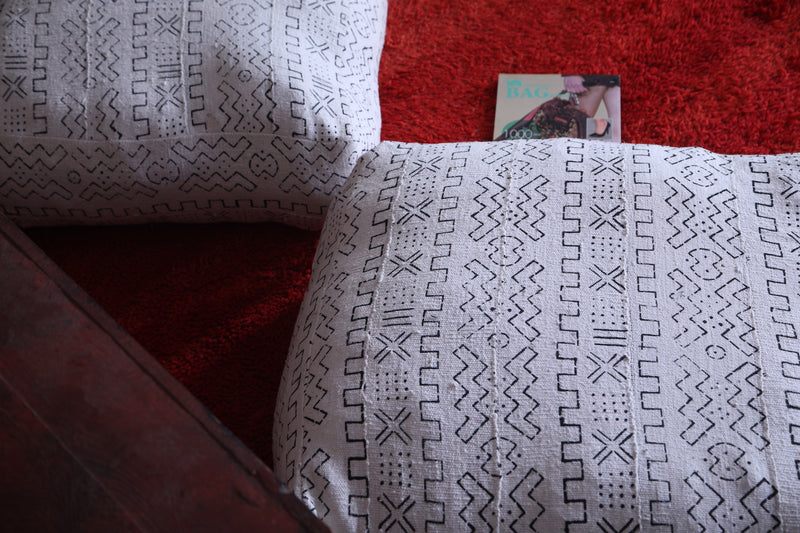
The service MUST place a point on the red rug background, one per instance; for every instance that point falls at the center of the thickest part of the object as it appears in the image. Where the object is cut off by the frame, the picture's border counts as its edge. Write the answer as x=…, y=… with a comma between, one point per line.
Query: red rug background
x=216, y=304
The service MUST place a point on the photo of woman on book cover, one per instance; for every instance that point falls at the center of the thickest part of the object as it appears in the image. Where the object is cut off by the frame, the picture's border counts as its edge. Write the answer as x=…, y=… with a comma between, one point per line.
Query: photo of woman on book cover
x=591, y=89
x=585, y=106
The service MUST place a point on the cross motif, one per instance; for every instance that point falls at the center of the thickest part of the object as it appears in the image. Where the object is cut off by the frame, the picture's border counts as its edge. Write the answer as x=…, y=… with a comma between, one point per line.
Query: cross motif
x=613, y=446
x=431, y=165
x=396, y=514
x=796, y=238
x=171, y=96
x=607, y=217
x=317, y=48
x=393, y=425
x=791, y=186
x=16, y=16
x=414, y=211
x=608, y=279
x=612, y=165
x=324, y=4
x=323, y=103
x=405, y=264
x=392, y=346
x=630, y=526
x=607, y=368
x=13, y=87
x=169, y=25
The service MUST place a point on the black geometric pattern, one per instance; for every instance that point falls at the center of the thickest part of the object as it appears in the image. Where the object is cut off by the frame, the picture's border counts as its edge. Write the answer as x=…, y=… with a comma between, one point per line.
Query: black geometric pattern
x=547, y=336
x=195, y=111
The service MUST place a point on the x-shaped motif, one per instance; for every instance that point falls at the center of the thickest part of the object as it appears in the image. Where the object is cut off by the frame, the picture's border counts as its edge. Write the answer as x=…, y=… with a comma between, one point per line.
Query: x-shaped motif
x=608, y=279
x=405, y=264
x=791, y=186
x=16, y=17
x=323, y=103
x=13, y=87
x=432, y=165
x=324, y=4
x=171, y=96
x=414, y=211
x=607, y=368
x=314, y=47
x=612, y=165
x=392, y=346
x=613, y=446
x=607, y=217
x=796, y=238
x=396, y=514
x=393, y=425
x=169, y=25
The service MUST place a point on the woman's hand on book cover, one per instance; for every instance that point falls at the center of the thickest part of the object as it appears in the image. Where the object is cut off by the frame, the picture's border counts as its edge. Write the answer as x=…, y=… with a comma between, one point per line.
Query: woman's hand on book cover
x=574, y=84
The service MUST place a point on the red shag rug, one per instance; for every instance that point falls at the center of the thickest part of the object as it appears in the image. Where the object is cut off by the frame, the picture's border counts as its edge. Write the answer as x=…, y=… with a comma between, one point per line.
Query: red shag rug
x=216, y=304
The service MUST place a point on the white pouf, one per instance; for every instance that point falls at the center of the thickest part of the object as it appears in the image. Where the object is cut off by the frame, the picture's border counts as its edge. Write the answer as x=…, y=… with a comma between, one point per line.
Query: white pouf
x=196, y=111
x=538, y=335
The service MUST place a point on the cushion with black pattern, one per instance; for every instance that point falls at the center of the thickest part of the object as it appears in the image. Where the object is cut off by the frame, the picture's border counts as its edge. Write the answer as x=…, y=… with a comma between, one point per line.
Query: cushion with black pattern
x=540, y=335
x=198, y=111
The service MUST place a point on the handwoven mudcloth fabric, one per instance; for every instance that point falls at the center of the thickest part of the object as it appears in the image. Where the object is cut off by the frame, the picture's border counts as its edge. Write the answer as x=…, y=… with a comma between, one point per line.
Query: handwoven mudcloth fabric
x=193, y=111
x=529, y=335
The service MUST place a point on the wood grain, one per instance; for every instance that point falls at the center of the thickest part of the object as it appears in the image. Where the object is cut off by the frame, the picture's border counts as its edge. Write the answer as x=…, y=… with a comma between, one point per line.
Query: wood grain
x=96, y=436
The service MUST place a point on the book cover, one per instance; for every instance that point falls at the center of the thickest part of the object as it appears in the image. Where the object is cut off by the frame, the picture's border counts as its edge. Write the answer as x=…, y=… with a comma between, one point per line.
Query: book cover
x=543, y=106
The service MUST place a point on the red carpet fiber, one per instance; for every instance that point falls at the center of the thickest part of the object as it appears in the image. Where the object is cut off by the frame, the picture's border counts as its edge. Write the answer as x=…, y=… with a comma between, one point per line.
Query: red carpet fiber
x=216, y=304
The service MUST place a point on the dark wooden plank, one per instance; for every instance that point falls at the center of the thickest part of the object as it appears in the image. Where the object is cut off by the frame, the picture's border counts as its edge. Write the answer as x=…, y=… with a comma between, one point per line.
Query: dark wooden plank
x=95, y=430
x=42, y=487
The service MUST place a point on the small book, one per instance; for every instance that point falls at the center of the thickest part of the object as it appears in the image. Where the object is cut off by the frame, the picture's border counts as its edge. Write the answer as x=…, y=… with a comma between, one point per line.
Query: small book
x=544, y=106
